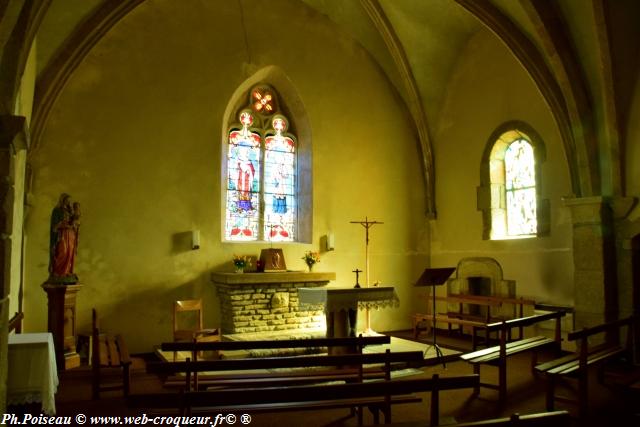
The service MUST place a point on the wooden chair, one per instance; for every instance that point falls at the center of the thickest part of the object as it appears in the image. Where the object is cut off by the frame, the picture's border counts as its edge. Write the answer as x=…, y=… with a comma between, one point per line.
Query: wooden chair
x=109, y=359
x=15, y=323
x=195, y=333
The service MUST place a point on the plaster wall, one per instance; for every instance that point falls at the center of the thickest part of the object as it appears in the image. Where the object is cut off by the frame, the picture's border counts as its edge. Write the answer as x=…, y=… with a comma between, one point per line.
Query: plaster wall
x=632, y=142
x=488, y=88
x=135, y=138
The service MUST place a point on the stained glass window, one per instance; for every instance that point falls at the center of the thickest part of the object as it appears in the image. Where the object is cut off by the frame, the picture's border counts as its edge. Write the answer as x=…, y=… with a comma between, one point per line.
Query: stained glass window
x=520, y=186
x=261, y=173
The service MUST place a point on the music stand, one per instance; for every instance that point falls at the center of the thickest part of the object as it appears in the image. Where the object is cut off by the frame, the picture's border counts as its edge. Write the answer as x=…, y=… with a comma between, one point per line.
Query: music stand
x=435, y=277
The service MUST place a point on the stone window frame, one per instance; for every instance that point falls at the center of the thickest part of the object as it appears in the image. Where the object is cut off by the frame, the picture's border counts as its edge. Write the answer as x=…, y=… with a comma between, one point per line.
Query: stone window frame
x=491, y=196
x=290, y=104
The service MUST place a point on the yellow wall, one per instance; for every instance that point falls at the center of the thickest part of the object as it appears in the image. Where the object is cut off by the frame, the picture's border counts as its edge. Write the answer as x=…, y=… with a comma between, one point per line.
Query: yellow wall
x=135, y=138
x=632, y=138
x=487, y=89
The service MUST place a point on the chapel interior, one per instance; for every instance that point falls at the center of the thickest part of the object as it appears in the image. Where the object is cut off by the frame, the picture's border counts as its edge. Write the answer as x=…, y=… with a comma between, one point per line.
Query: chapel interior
x=401, y=113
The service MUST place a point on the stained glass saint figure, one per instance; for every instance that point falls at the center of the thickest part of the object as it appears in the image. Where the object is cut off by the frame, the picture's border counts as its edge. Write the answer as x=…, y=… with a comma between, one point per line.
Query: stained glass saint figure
x=279, y=182
x=243, y=166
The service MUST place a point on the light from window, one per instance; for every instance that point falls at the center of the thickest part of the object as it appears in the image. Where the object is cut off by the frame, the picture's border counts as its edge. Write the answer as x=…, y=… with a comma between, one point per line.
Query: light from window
x=520, y=185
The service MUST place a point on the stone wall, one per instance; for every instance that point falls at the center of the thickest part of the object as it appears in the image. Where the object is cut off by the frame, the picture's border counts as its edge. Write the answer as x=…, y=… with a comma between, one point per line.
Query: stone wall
x=266, y=307
x=266, y=302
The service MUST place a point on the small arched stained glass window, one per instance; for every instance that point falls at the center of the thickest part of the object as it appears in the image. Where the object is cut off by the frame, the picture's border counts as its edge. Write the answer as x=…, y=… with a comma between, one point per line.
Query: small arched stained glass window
x=520, y=187
x=512, y=175
x=261, y=173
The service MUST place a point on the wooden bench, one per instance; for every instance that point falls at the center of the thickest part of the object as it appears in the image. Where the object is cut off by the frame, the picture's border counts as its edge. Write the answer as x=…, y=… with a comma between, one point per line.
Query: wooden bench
x=302, y=370
x=270, y=370
x=377, y=396
x=576, y=365
x=353, y=344
x=542, y=419
x=461, y=318
x=497, y=355
x=15, y=323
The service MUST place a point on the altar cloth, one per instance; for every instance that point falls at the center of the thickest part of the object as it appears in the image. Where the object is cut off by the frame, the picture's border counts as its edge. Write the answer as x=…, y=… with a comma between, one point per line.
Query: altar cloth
x=337, y=299
x=33, y=375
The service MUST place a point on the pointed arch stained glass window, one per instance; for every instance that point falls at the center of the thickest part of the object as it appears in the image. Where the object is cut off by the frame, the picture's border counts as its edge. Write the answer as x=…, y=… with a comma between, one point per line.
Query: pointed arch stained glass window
x=261, y=174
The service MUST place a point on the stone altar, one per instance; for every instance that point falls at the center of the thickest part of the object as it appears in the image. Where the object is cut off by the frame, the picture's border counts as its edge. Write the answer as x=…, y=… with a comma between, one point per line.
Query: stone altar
x=265, y=302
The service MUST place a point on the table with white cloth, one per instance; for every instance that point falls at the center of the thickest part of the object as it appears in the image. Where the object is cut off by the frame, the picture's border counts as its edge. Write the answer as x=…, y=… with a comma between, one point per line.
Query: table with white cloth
x=341, y=305
x=33, y=375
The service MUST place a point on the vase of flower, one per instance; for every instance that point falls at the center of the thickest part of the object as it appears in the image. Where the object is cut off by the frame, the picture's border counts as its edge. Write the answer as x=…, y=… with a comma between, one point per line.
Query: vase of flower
x=311, y=258
x=241, y=262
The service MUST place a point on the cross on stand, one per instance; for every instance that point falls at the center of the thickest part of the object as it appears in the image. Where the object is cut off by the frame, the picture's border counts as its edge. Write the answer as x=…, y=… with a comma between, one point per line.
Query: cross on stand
x=357, y=271
x=367, y=225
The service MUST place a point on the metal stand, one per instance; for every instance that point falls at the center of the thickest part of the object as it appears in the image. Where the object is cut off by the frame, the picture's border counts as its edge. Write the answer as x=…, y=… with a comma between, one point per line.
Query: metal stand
x=433, y=277
x=439, y=354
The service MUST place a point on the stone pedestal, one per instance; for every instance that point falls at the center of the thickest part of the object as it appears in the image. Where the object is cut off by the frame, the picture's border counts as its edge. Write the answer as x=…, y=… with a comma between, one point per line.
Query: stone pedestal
x=62, y=322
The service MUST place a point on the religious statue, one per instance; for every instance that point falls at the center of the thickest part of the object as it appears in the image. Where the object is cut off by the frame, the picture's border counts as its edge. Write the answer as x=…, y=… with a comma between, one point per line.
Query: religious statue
x=65, y=224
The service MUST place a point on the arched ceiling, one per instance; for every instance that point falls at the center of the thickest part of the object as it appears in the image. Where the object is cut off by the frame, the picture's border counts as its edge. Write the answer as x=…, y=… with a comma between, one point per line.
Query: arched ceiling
x=566, y=46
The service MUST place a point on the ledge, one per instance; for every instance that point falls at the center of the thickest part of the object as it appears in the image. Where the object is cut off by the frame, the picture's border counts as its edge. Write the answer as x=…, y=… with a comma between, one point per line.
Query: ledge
x=284, y=277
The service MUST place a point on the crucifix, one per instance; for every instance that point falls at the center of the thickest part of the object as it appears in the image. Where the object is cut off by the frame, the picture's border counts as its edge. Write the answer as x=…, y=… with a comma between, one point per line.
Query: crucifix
x=357, y=271
x=367, y=225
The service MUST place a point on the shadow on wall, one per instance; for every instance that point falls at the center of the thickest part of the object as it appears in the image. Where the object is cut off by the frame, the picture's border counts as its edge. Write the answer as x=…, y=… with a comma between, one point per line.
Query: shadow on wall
x=145, y=319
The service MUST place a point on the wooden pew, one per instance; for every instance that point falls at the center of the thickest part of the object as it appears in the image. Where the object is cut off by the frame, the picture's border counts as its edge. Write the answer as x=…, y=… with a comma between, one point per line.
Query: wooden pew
x=461, y=318
x=498, y=355
x=355, y=344
x=542, y=419
x=576, y=365
x=377, y=395
x=315, y=369
x=306, y=369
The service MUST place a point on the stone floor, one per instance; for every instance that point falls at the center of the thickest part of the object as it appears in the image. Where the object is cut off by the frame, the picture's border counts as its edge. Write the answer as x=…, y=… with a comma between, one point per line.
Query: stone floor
x=610, y=405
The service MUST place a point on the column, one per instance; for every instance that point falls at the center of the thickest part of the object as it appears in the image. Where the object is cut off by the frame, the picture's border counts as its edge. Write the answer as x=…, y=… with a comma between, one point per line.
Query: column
x=594, y=261
x=13, y=139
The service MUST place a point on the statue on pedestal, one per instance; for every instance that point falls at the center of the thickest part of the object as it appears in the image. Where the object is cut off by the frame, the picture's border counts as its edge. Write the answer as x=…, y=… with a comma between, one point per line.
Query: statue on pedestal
x=65, y=224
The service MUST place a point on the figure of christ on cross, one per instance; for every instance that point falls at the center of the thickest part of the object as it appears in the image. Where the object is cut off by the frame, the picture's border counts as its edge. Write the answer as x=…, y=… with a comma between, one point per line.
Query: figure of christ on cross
x=367, y=225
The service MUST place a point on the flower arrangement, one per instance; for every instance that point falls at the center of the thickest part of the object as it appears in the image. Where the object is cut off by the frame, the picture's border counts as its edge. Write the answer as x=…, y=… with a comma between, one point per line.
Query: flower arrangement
x=310, y=258
x=241, y=262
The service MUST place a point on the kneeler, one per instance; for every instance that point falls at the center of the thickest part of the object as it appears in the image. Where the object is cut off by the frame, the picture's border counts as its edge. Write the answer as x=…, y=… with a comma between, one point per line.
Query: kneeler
x=110, y=362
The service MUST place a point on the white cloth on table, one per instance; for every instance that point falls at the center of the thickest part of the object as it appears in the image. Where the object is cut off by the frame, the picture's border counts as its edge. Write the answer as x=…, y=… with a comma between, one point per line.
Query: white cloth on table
x=337, y=299
x=33, y=375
